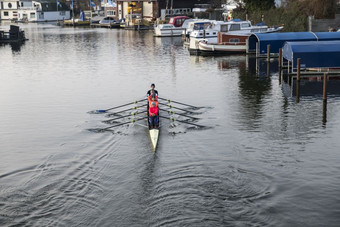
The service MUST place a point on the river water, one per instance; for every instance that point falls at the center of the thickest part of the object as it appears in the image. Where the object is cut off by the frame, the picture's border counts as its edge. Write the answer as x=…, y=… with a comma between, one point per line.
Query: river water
x=263, y=159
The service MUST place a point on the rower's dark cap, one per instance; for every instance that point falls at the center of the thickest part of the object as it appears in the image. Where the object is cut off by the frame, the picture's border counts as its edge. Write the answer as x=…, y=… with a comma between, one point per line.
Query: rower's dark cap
x=153, y=85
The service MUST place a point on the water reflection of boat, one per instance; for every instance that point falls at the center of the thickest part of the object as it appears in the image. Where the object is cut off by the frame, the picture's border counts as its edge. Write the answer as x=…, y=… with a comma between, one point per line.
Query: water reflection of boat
x=14, y=35
x=169, y=41
x=232, y=61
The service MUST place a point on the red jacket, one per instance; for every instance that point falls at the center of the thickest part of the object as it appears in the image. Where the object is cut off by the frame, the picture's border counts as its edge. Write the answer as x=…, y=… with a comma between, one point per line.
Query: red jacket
x=153, y=110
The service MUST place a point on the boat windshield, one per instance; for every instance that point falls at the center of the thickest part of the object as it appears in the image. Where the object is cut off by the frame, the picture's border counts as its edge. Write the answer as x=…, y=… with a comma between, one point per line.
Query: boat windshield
x=245, y=25
x=201, y=26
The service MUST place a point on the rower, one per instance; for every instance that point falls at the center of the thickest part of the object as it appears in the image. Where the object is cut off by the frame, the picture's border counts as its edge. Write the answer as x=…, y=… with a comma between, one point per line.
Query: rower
x=152, y=98
x=153, y=115
x=152, y=89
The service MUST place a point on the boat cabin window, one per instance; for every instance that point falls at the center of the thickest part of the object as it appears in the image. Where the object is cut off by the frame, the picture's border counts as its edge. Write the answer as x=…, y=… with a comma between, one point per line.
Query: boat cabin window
x=234, y=27
x=234, y=40
x=201, y=26
x=214, y=33
x=245, y=25
x=224, y=28
x=207, y=33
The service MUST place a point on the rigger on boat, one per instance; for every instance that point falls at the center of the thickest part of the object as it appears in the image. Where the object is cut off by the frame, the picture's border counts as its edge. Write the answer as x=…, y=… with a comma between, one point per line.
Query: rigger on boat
x=151, y=115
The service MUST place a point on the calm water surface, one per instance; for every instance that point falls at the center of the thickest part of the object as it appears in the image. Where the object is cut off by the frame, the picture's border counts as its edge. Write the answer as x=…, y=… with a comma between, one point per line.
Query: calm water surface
x=265, y=159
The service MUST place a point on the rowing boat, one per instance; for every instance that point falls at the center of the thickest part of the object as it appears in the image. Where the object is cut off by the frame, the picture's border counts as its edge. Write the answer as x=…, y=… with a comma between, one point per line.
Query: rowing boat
x=153, y=133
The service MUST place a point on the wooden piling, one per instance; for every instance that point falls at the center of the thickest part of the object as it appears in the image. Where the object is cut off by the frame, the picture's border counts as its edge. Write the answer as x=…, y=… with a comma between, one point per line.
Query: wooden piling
x=325, y=87
x=298, y=69
x=268, y=52
x=280, y=58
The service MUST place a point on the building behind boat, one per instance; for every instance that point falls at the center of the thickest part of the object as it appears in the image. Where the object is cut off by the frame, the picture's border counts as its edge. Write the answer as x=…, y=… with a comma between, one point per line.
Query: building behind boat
x=34, y=11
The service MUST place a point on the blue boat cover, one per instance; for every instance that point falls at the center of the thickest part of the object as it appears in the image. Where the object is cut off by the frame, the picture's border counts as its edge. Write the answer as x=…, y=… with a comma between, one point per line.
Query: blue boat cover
x=277, y=40
x=313, y=54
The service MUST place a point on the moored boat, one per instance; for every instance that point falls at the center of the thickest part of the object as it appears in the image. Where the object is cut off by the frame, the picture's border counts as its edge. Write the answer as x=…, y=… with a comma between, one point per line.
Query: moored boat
x=227, y=44
x=209, y=30
x=162, y=30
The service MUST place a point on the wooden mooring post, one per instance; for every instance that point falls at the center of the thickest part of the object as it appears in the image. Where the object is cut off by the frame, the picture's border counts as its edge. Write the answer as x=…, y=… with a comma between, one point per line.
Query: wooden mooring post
x=298, y=81
x=280, y=58
x=280, y=65
x=324, y=87
x=268, y=52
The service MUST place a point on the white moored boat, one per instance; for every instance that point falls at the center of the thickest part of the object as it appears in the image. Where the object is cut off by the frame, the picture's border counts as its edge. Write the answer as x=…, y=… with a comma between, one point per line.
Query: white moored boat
x=228, y=44
x=209, y=30
x=168, y=30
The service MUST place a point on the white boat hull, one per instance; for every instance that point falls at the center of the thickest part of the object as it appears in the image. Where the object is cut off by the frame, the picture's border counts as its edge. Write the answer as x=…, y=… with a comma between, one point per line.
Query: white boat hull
x=220, y=49
x=154, y=133
x=167, y=30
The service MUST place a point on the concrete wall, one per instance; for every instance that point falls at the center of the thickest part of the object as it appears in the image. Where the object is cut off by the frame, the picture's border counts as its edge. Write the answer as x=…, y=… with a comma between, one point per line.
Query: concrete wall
x=323, y=25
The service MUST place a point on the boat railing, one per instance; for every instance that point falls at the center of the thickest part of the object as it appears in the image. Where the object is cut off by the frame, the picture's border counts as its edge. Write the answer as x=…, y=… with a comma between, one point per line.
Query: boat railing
x=232, y=43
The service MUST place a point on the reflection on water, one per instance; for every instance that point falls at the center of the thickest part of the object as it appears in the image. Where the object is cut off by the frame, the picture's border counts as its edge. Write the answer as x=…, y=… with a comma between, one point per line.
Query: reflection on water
x=265, y=160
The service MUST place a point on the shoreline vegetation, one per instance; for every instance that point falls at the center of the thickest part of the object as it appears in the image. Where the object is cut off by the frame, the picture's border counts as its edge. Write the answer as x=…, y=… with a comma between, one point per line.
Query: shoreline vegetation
x=293, y=14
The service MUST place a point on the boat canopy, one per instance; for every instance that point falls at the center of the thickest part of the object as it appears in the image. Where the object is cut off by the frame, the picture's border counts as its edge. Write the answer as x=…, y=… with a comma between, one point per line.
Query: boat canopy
x=313, y=54
x=277, y=40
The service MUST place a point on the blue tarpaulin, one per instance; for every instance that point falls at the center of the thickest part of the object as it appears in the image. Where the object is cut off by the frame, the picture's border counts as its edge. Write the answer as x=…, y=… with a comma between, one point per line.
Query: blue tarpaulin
x=277, y=40
x=313, y=54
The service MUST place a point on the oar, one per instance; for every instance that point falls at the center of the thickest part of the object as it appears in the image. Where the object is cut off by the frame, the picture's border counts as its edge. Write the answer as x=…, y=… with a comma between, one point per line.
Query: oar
x=176, y=108
x=132, y=114
x=173, y=112
x=132, y=108
x=132, y=121
x=173, y=119
x=168, y=100
x=116, y=107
